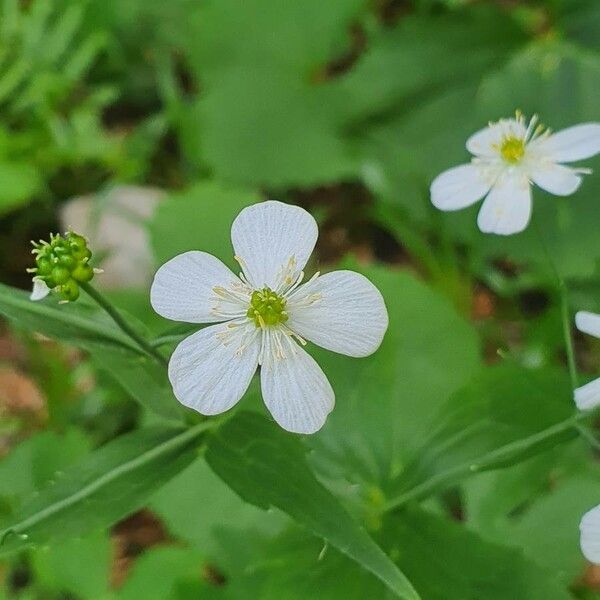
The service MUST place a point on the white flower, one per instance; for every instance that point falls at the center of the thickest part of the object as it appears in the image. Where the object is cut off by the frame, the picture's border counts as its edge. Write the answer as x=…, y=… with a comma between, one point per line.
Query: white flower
x=40, y=289
x=264, y=317
x=588, y=395
x=508, y=156
x=590, y=535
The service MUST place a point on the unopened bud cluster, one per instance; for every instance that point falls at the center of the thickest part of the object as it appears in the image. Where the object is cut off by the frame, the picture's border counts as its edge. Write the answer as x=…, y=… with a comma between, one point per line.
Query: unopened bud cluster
x=63, y=264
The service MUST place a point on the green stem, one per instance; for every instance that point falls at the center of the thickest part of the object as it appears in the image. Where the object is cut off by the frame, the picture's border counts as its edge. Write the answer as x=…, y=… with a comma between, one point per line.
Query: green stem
x=94, y=486
x=116, y=316
x=496, y=458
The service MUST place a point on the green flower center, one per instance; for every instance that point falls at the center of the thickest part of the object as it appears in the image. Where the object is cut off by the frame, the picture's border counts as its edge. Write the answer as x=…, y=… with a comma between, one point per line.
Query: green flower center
x=512, y=149
x=267, y=308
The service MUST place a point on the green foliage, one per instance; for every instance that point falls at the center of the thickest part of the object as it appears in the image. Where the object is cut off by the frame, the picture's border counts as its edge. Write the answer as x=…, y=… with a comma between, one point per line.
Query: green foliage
x=267, y=467
x=108, y=485
x=454, y=465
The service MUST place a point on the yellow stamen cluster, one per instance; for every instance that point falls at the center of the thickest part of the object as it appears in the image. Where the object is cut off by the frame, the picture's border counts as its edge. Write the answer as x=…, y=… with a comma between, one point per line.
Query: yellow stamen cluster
x=512, y=149
x=267, y=308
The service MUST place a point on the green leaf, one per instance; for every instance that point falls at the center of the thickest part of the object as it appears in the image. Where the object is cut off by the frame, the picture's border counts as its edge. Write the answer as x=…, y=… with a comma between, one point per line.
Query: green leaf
x=447, y=562
x=267, y=467
x=78, y=566
x=196, y=504
x=76, y=323
x=492, y=423
x=158, y=574
x=386, y=403
x=201, y=216
x=537, y=506
x=109, y=484
x=33, y=462
x=287, y=129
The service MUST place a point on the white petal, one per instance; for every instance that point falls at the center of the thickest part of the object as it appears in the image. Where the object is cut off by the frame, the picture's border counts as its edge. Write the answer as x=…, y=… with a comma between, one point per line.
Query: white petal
x=588, y=396
x=459, y=187
x=556, y=179
x=486, y=142
x=40, y=290
x=507, y=208
x=267, y=236
x=211, y=369
x=340, y=311
x=590, y=535
x=573, y=143
x=588, y=322
x=294, y=388
x=182, y=289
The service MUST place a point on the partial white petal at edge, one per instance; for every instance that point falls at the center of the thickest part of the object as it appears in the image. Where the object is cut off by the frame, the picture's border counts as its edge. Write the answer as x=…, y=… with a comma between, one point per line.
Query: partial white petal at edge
x=459, y=187
x=295, y=389
x=588, y=396
x=590, y=535
x=588, y=322
x=211, y=370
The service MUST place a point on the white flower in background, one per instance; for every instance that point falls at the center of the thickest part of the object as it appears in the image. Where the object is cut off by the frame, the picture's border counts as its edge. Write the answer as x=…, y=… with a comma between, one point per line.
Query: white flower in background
x=588, y=395
x=265, y=315
x=509, y=156
x=590, y=535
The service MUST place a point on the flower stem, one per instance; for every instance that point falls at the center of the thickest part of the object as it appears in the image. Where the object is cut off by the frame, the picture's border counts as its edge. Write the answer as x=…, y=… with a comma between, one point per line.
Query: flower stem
x=116, y=316
x=501, y=457
x=564, y=311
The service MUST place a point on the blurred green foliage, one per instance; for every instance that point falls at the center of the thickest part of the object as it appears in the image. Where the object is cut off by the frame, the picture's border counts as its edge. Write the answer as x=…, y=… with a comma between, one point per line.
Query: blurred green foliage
x=349, y=107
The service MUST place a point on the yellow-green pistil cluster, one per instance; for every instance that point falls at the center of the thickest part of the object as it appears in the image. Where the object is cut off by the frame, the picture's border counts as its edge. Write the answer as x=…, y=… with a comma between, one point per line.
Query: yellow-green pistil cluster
x=267, y=308
x=63, y=263
x=512, y=149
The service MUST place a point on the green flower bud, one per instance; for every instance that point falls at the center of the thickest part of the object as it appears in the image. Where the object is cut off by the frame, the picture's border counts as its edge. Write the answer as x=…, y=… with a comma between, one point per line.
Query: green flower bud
x=44, y=266
x=63, y=263
x=69, y=290
x=81, y=254
x=82, y=273
x=60, y=275
x=68, y=261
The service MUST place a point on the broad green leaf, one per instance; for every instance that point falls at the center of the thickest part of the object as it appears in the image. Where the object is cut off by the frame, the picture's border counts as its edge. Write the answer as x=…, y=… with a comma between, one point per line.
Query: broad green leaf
x=78, y=566
x=34, y=461
x=386, y=403
x=142, y=378
x=201, y=216
x=107, y=485
x=76, y=323
x=159, y=573
x=196, y=505
x=267, y=467
x=503, y=416
x=287, y=128
x=537, y=507
x=447, y=562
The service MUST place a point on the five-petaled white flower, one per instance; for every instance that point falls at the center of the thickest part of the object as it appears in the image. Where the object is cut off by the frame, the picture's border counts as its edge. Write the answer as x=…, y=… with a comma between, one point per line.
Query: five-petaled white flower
x=590, y=535
x=508, y=156
x=265, y=315
x=588, y=395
